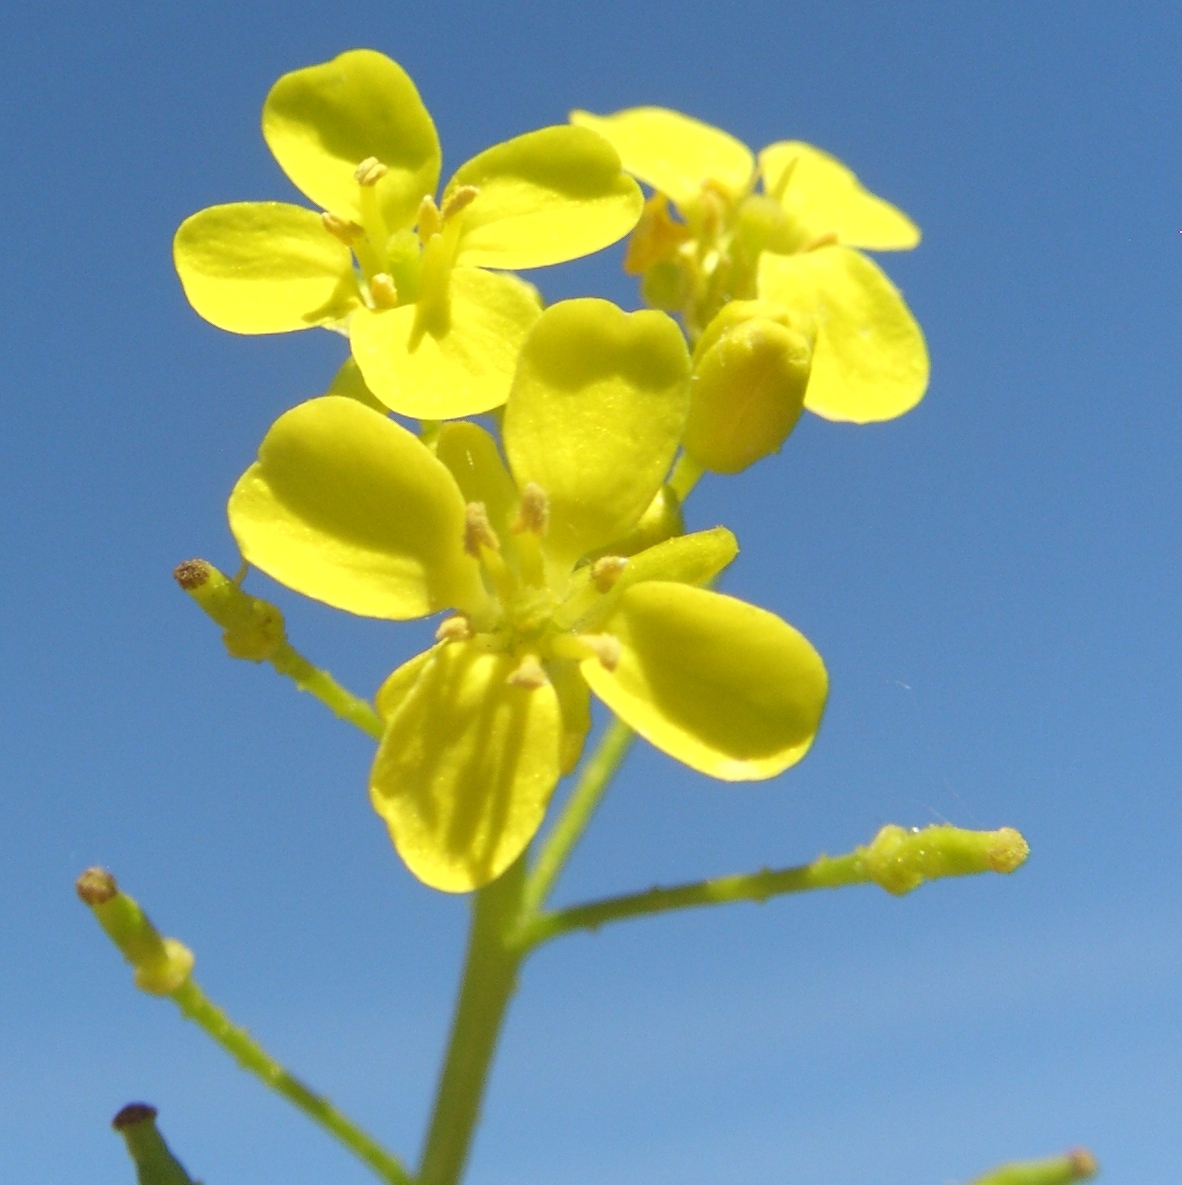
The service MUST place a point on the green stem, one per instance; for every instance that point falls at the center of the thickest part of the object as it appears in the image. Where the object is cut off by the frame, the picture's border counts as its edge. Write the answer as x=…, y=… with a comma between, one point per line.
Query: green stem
x=896, y=860
x=196, y=1006
x=597, y=774
x=327, y=690
x=825, y=873
x=489, y=980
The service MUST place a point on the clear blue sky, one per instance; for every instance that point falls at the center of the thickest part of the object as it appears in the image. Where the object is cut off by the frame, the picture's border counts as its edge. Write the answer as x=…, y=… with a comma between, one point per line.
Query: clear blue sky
x=993, y=581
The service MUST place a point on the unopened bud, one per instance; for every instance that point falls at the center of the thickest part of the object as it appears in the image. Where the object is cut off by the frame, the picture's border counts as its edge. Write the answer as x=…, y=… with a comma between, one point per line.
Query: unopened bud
x=529, y=674
x=341, y=228
x=383, y=291
x=606, y=570
x=900, y=860
x=747, y=390
x=370, y=171
x=461, y=196
x=1077, y=1165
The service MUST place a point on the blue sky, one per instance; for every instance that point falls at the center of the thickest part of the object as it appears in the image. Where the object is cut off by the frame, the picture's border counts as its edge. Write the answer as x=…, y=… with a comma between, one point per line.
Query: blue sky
x=993, y=581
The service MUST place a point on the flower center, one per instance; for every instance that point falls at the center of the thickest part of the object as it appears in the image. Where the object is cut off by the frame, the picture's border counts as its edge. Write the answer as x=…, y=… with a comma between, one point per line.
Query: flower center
x=527, y=622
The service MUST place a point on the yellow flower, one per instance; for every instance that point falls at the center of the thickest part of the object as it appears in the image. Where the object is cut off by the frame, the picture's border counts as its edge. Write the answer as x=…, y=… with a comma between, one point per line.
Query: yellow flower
x=346, y=506
x=434, y=333
x=782, y=228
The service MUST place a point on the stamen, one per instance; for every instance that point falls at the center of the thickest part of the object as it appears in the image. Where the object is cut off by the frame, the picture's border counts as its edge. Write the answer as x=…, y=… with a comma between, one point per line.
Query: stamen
x=454, y=629
x=478, y=532
x=429, y=219
x=605, y=647
x=529, y=674
x=533, y=515
x=341, y=228
x=370, y=172
x=606, y=571
x=383, y=291
x=457, y=200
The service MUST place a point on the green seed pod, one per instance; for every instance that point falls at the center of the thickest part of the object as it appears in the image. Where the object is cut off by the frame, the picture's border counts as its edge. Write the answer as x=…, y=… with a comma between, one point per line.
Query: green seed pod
x=747, y=390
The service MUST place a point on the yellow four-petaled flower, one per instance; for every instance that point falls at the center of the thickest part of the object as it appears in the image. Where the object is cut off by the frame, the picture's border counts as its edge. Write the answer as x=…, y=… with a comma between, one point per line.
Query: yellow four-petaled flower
x=782, y=228
x=346, y=506
x=434, y=332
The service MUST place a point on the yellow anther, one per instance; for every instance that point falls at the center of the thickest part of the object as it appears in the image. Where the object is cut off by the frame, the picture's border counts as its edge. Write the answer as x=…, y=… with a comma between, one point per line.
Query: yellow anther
x=454, y=629
x=529, y=674
x=478, y=532
x=604, y=647
x=606, y=570
x=457, y=200
x=533, y=515
x=383, y=291
x=341, y=228
x=429, y=219
x=370, y=172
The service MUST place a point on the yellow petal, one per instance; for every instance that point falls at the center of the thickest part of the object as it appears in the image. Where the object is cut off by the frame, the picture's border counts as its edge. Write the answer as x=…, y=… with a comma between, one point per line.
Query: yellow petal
x=869, y=361
x=574, y=701
x=471, y=455
x=821, y=196
x=672, y=152
x=399, y=684
x=346, y=506
x=731, y=690
x=595, y=415
x=688, y=559
x=545, y=197
x=747, y=393
x=323, y=121
x=460, y=368
x=264, y=267
x=466, y=768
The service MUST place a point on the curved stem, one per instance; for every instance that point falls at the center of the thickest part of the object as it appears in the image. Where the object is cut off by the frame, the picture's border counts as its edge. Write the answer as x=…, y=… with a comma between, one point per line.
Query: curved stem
x=568, y=830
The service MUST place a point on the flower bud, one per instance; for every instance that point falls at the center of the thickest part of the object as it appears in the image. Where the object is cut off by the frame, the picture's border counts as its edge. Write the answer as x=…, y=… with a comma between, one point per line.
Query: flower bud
x=747, y=391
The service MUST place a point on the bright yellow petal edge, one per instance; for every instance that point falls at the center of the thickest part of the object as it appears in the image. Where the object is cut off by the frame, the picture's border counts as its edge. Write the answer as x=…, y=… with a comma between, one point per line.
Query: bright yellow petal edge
x=727, y=688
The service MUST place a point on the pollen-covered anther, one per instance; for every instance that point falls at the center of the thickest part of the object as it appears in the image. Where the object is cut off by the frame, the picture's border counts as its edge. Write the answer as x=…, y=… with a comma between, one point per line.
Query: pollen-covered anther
x=533, y=515
x=529, y=674
x=478, y=532
x=342, y=229
x=605, y=647
x=370, y=172
x=606, y=570
x=429, y=219
x=383, y=291
x=454, y=629
x=456, y=200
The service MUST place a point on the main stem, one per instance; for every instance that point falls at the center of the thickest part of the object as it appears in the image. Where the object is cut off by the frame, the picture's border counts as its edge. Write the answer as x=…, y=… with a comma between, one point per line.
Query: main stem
x=490, y=978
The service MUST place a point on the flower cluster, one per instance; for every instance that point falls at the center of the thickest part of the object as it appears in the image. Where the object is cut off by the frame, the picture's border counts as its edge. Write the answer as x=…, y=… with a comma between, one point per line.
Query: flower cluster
x=559, y=549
